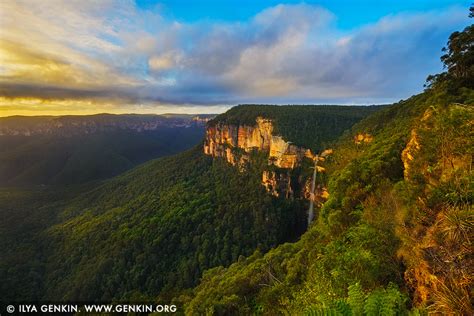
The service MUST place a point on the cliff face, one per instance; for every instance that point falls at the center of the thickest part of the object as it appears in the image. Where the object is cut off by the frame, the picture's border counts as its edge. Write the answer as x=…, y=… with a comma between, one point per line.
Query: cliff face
x=437, y=159
x=221, y=141
x=278, y=183
x=234, y=143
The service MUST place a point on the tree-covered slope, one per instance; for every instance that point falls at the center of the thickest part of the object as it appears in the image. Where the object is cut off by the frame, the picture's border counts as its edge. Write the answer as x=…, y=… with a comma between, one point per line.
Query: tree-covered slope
x=166, y=221
x=73, y=150
x=152, y=230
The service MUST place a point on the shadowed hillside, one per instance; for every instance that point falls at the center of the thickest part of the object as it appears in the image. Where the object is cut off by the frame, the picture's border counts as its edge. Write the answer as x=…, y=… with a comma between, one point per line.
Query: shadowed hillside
x=77, y=149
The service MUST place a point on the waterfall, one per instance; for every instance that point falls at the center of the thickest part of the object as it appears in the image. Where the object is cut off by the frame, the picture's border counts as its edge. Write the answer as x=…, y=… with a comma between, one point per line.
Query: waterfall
x=313, y=187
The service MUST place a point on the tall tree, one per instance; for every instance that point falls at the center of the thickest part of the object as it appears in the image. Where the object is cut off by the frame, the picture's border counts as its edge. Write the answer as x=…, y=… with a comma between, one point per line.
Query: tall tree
x=458, y=58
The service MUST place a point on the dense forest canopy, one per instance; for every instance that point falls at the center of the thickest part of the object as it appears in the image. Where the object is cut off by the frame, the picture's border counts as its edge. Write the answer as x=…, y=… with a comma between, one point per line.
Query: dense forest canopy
x=170, y=220
x=153, y=229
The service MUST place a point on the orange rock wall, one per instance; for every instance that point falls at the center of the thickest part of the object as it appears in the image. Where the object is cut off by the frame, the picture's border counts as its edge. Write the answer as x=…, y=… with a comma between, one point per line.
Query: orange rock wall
x=221, y=139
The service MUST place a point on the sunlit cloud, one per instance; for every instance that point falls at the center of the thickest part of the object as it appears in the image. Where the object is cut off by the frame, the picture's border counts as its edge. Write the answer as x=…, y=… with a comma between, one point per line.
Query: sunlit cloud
x=40, y=106
x=112, y=56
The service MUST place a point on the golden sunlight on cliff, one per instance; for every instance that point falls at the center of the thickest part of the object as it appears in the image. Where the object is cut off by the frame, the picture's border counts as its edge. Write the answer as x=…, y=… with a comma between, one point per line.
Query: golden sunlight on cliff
x=221, y=139
x=363, y=138
x=438, y=156
x=235, y=142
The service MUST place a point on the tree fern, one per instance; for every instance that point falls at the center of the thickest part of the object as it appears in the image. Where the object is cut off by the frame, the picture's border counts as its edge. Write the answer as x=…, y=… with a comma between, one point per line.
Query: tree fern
x=372, y=303
x=389, y=301
x=327, y=311
x=356, y=299
x=342, y=307
x=392, y=301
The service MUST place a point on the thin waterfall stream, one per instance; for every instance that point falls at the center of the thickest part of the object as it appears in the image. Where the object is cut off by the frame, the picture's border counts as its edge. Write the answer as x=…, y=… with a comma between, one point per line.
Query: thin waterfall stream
x=313, y=187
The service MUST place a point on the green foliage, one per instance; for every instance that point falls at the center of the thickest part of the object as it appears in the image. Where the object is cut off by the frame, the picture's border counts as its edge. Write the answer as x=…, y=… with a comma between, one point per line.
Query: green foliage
x=381, y=301
x=195, y=231
x=387, y=301
x=58, y=159
x=155, y=229
x=338, y=308
x=190, y=220
x=439, y=194
x=356, y=299
x=23, y=220
x=458, y=60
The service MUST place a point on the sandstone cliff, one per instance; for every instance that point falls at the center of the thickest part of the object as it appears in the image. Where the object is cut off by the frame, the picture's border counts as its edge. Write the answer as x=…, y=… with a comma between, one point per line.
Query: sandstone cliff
x=235, y=142
x=437, y=158
x=223, y=140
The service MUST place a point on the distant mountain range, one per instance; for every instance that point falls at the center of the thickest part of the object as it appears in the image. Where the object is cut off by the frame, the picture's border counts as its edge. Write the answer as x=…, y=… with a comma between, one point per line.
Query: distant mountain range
x=78, y=149
x=87, y=124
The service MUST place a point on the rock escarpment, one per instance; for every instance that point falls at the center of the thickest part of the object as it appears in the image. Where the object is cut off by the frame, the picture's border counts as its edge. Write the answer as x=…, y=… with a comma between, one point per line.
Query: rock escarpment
x=224, y=140
x=437, y=164
x=234, y=143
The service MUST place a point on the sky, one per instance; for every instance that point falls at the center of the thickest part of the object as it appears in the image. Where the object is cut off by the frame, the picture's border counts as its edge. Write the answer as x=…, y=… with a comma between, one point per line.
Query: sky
x=62, y=57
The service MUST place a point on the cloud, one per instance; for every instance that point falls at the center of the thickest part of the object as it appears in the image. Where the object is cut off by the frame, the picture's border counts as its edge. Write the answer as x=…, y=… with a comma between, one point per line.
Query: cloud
x=297, y=54
x=109, y=50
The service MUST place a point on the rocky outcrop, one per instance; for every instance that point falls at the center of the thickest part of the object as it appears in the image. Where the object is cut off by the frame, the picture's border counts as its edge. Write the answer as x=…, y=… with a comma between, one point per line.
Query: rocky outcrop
x=235, y=142
x=223, y=140
x=277, y=183
x=438, y=261
x=363, y=138
x=409, y=152
x=320, y=195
